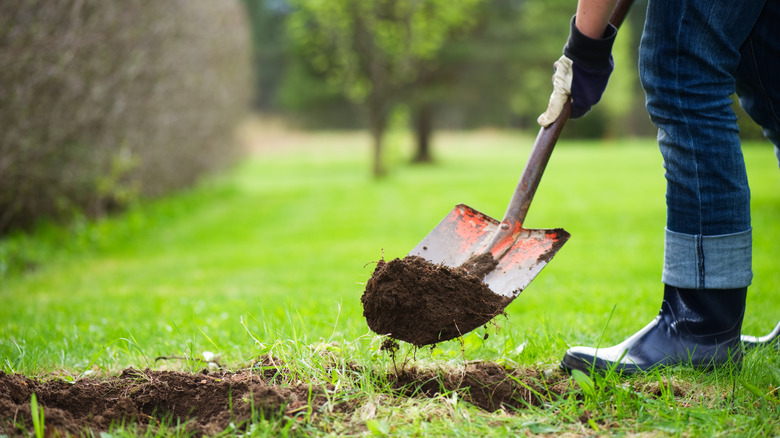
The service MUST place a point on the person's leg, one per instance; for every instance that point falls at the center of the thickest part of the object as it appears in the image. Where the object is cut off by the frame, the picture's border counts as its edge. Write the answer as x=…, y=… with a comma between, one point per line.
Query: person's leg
x=758, y=81
x=688, y=58
x=688, y=65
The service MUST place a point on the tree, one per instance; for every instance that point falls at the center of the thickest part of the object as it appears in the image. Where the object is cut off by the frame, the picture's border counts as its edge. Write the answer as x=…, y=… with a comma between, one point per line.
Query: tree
x=489, y=64
x=375, y=50
x=269, y=48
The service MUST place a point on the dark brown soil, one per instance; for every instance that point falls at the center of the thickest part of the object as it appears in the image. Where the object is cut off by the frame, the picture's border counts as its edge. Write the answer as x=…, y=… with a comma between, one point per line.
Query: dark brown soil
x=209, y=402
x=486, y=385
x=479, y=265
x=413, y=300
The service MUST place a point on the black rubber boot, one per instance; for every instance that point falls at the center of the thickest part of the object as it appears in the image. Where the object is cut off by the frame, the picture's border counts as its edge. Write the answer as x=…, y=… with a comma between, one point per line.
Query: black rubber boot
x=698, y=328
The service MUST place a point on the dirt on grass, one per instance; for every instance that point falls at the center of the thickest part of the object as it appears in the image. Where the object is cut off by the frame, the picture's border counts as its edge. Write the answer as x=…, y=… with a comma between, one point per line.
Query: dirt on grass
x=486, y=385
x=415, y=301
x=210, y=402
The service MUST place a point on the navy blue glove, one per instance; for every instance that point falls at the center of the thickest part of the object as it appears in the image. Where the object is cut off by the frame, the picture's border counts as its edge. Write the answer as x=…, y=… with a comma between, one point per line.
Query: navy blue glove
x=591, y=67
x=582, y=73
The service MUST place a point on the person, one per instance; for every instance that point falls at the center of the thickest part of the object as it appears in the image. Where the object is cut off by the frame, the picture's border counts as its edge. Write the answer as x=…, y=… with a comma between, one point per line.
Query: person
x=693, y=55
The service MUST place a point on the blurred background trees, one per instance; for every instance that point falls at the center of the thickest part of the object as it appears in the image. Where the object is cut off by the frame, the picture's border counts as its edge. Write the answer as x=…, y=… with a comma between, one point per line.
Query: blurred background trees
x=450, y=64
x=102, y=102
x=105, y=102
x=379, y=53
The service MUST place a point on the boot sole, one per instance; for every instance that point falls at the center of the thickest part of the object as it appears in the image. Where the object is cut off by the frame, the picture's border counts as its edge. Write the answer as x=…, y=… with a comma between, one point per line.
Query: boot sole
x=571, y=363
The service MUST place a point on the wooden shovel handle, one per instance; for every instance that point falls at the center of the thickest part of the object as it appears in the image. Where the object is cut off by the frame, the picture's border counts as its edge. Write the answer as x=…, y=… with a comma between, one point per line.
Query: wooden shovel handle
x=619, y=13
x=544, y=145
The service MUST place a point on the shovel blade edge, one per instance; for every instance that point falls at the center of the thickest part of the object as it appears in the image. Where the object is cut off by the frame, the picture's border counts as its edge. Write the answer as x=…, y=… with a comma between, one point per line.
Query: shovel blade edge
x=466, y=231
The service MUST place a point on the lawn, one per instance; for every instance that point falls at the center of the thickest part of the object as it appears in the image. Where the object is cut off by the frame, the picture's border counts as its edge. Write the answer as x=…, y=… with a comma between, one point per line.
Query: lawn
x=269, y=260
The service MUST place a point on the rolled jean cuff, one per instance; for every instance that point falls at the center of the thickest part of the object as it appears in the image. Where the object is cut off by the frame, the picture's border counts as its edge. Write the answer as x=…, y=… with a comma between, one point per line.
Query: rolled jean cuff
x=708, y=262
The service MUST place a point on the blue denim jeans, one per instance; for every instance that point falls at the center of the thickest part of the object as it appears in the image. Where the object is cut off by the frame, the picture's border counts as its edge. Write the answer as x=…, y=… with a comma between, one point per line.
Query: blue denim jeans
x=694, y=55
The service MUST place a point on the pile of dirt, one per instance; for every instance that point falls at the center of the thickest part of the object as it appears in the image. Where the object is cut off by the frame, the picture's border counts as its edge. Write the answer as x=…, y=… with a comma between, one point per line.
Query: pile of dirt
x=486, y=385
x=210, y=402
x=415, y=301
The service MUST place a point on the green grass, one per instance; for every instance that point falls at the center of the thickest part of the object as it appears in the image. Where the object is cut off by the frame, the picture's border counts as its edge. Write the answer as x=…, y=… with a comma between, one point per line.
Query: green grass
x=272, y=257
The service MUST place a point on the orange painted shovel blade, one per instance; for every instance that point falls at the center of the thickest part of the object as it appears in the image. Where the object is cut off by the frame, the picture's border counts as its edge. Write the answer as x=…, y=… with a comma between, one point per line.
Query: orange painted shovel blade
x=465, y=232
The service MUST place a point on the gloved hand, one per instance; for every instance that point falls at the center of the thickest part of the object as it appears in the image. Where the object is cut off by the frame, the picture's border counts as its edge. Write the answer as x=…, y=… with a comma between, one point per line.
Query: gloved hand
x=582, y=73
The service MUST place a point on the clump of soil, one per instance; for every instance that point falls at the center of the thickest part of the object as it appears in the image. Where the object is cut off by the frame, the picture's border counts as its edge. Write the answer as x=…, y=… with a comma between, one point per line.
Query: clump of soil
x=479, y=265
x=413, y=300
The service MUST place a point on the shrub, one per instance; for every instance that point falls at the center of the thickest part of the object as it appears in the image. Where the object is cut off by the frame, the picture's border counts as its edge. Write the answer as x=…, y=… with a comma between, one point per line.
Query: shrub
x=101, y=102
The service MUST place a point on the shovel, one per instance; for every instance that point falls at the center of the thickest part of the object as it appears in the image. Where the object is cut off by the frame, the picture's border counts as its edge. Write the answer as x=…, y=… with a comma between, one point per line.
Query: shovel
x=515, y=254
x=518, y=254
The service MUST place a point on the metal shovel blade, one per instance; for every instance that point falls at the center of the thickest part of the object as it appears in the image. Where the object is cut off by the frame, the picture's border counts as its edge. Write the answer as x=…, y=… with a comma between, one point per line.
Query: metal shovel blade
x=465, y=232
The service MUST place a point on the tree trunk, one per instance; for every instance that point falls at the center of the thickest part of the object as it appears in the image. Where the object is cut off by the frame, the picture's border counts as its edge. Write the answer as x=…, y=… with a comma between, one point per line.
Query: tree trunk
x=423, y=128
x=377, y=123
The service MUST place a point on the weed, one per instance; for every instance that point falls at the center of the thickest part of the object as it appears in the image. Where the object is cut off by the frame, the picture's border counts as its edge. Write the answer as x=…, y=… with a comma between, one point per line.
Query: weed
x=38, y=417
